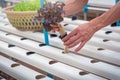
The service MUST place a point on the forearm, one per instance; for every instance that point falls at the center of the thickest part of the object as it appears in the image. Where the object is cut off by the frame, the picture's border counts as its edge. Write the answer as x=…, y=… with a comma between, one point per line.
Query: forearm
x=107, y=18
x=74, y=6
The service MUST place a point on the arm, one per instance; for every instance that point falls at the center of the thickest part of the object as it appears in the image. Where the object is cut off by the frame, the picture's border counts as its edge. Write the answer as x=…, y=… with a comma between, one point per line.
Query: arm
x=84, y=32
x=107, y=18
x=74, y=6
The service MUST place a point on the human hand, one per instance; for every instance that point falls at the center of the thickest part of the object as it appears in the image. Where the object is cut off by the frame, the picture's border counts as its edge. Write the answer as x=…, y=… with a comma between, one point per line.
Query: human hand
x=80, y=36
x=74, y=6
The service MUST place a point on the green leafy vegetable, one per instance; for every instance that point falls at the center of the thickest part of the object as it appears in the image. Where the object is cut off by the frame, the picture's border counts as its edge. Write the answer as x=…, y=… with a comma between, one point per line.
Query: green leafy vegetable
x=27, y=5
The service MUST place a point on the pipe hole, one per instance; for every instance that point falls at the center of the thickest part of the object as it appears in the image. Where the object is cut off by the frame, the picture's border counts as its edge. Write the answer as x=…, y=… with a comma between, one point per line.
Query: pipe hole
x=29, y=53
x=108, y=32
x=74, y=17
x=65, y=24
x=15, y=60
x=94, y=61
x=100, y=49
x=7, y=34
x=40, y=76
x=83, y=73
x=52, y=62
x=42, y=44
x=105, y=40
x=6, y=24
x=4, y=17
x=23, y=38
x=63, y=52
x=10, y=45
x=53, y=35
x=15, y=65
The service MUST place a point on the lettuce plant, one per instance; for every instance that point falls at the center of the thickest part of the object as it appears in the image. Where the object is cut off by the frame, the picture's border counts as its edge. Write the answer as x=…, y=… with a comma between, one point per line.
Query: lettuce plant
x=50, y=14
x=30, y=5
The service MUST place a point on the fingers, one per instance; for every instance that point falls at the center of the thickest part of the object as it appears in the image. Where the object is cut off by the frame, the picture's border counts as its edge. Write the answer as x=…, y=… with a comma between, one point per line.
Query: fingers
x=73, y=40
x=74, y=32
x=80, y=46
x=74, y=43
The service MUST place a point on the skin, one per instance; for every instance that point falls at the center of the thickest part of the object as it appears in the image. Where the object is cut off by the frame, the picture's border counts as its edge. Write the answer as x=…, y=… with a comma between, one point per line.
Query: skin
x=83, y=33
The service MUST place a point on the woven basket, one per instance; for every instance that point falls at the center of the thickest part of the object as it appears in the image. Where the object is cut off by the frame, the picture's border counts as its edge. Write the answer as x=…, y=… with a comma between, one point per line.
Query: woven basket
x=23, y=21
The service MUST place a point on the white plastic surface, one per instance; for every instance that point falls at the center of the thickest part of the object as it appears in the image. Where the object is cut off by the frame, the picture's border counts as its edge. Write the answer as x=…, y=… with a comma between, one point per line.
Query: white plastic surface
x=59, y=69
x=93, y=52
x=102, y=3
x=80, y=62
x=20, y=72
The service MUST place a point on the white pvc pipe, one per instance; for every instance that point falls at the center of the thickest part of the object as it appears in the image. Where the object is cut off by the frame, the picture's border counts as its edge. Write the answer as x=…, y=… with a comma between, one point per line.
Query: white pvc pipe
x=85, y=16
x=114, y=35
x=115, y=29
x=3, y=19
x=69, y=21
x=59, y=69
x=111, y=45
x=100, y=33
x=97, y=9
x=53, y=41
x=19, y=72
x=2, y=14
x=100, y=68
x=74, y=22
x=102, y=3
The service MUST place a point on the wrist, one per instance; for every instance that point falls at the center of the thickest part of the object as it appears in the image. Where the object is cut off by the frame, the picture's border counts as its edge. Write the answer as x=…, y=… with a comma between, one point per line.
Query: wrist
x=97, y=23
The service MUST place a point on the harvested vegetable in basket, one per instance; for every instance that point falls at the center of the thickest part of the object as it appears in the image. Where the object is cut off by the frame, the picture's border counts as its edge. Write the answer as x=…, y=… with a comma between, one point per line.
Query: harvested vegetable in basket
x=27, y=5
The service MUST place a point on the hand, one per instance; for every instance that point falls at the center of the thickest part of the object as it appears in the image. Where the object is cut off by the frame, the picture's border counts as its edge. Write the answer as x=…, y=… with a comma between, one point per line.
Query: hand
x=74, y=6
x=80, y=36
